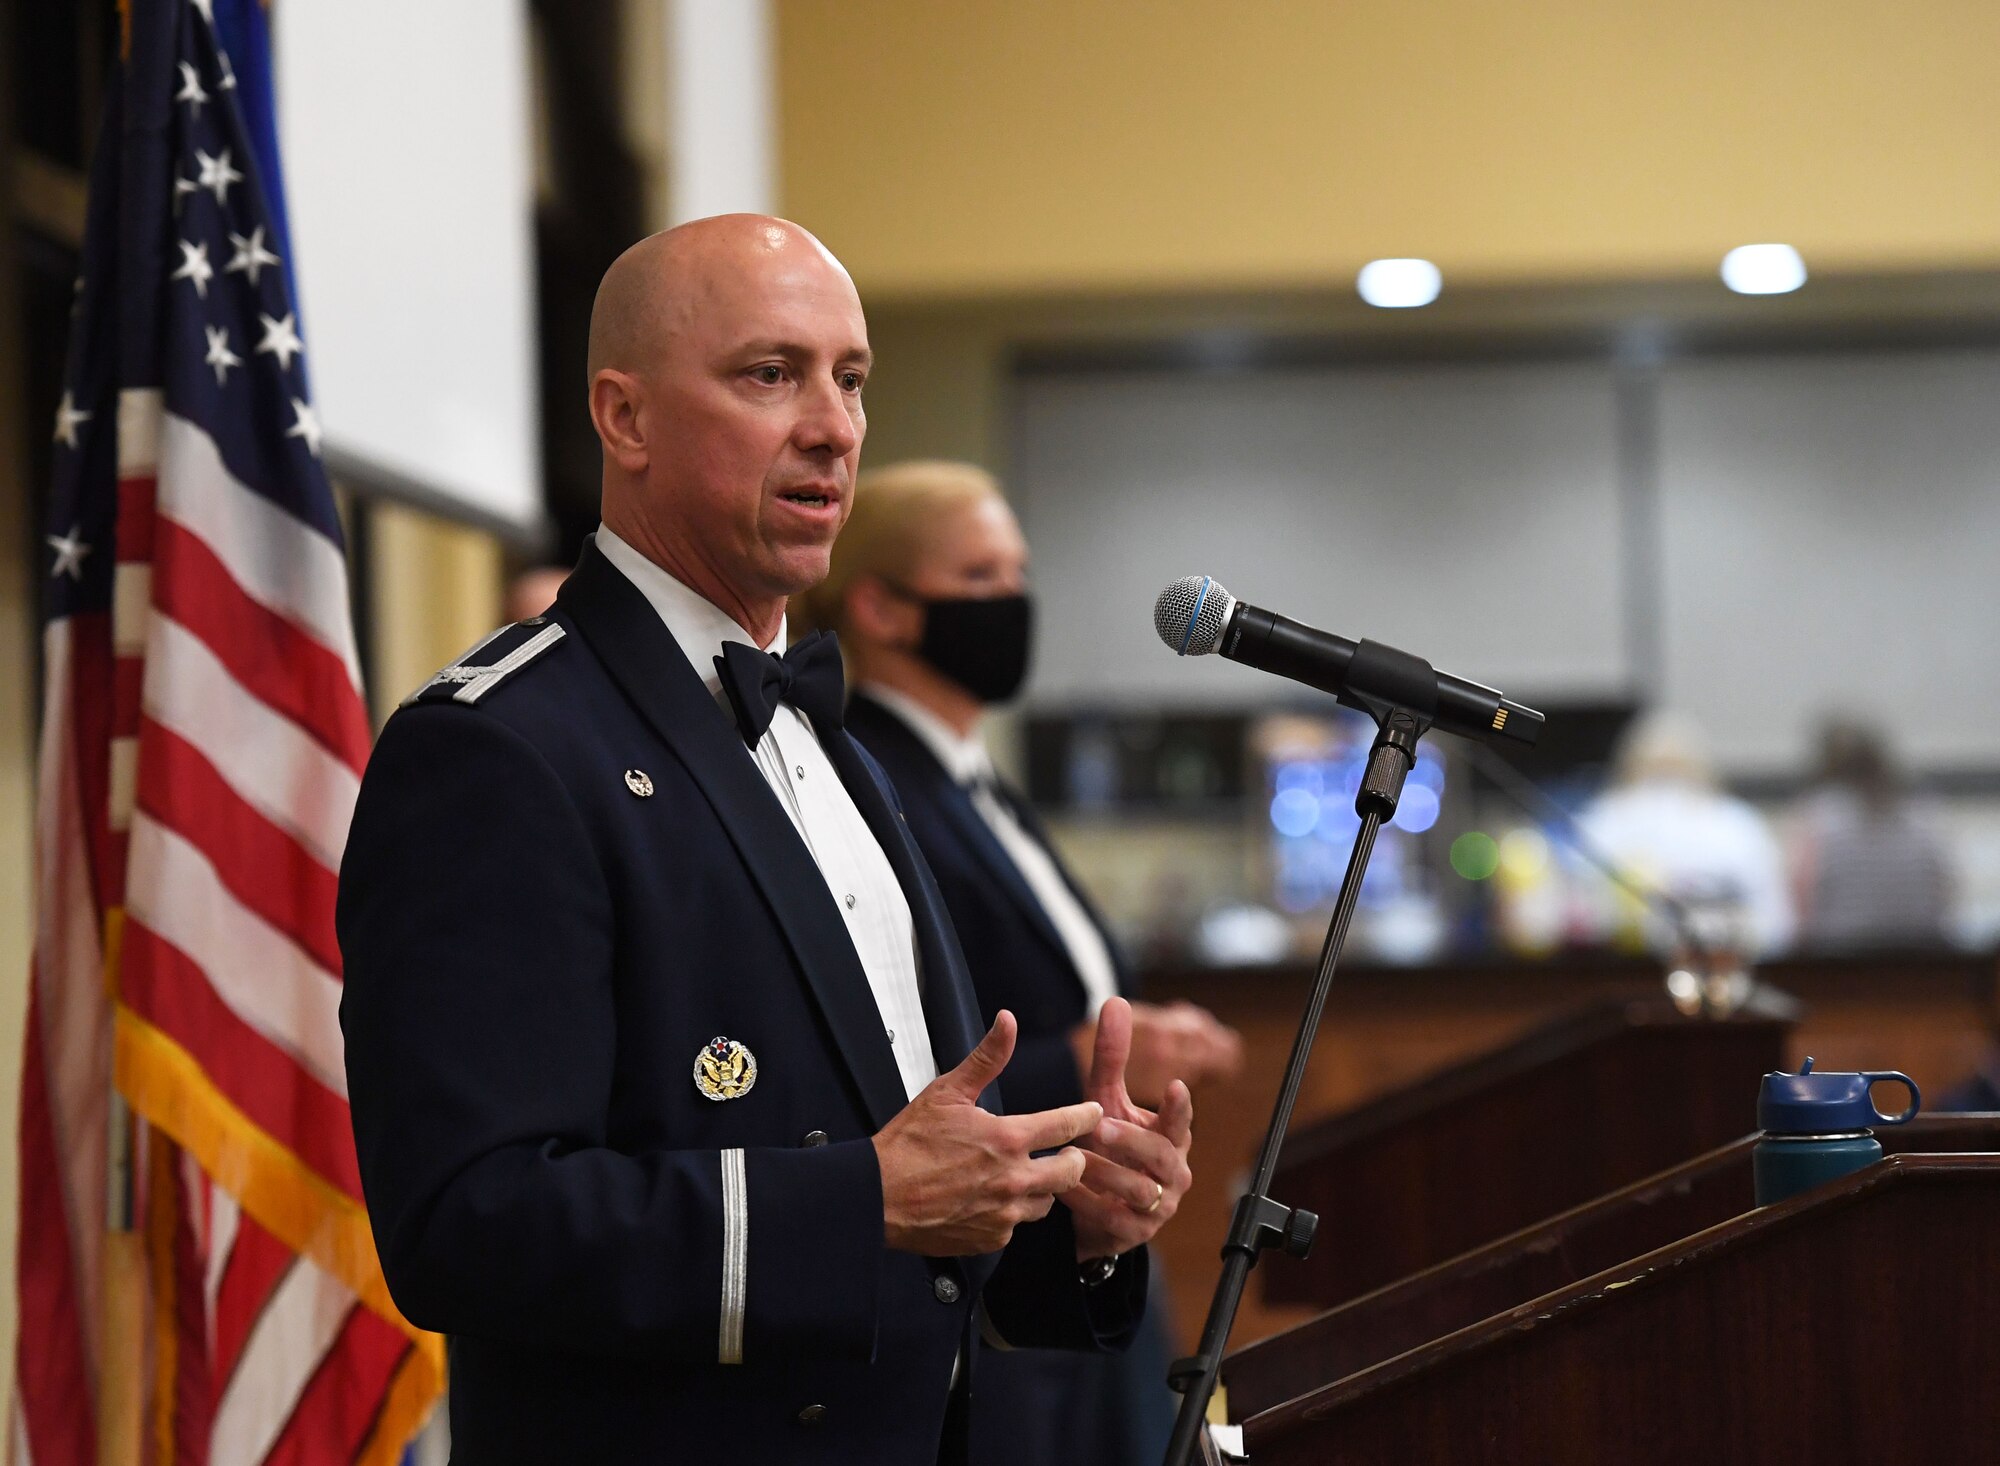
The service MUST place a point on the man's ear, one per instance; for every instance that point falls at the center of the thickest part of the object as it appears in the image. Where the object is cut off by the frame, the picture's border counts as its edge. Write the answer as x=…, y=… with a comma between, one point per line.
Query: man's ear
x=877, y=614
x=617, y=401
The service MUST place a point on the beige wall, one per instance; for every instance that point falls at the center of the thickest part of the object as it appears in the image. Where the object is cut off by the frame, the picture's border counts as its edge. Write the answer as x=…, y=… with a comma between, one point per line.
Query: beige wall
x=436, y=590
x=960, y=148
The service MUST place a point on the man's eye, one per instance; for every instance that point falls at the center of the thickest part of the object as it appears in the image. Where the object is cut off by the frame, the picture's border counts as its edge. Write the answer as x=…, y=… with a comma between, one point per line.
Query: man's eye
x=770, y=376
x=851, y=381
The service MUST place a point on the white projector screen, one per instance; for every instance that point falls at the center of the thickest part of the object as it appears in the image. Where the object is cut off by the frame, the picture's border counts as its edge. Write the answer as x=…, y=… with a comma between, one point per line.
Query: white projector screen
x=406, y=132
x=1831, y=530
x=1467, y=514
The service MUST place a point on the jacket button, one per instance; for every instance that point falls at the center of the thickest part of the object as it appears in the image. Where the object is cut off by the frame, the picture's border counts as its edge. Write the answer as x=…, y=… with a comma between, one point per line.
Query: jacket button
x=812, y=1415
x=945, y=1288
x=814, y=1137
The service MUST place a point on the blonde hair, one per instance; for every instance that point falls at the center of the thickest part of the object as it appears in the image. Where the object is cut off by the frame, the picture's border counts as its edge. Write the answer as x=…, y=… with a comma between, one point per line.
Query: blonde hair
x=897, y=510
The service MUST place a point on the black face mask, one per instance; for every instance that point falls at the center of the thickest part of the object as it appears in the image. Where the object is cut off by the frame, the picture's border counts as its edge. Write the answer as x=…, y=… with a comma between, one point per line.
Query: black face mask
x=981, y=644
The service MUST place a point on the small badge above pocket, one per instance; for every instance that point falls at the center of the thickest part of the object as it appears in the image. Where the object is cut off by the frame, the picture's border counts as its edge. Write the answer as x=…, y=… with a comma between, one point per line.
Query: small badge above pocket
x=724, y=1069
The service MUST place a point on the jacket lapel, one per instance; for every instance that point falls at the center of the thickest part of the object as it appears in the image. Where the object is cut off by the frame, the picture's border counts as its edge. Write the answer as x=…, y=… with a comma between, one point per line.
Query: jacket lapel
x=949, y=1012
x=967, y=822
x=626, y=634
x=1025, y=814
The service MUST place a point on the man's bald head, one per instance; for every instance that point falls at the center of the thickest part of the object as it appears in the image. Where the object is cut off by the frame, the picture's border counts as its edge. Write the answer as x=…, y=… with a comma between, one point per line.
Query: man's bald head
x=727, y=359
x=655, y=288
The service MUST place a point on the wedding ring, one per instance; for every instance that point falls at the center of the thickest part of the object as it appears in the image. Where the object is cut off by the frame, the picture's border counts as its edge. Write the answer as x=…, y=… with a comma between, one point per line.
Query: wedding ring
x=1159, y=1191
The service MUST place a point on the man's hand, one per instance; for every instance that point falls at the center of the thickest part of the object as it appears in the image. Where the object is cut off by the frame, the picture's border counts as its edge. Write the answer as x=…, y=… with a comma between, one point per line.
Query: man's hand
x=957, y=1180
x=1178, y=1041
x=1137, y=1168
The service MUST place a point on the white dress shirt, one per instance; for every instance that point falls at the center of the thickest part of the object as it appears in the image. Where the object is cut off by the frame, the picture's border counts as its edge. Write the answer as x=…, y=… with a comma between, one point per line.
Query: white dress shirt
x=858, y=875
x=971, y=766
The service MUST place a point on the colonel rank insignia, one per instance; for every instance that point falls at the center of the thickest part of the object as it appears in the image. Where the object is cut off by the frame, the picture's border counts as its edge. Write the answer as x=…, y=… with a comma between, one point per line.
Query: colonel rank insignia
x=724, y=1069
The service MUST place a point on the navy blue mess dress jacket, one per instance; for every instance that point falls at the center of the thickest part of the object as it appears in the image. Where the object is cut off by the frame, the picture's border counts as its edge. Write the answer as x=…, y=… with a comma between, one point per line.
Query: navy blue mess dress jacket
x=565, y=878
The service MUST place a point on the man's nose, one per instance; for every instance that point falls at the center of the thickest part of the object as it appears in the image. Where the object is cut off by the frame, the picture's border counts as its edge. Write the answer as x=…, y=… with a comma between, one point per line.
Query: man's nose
x=826, y=423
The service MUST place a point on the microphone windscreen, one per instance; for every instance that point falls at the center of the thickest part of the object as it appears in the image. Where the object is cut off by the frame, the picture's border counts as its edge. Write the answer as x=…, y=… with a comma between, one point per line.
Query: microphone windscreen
x=1190, y=615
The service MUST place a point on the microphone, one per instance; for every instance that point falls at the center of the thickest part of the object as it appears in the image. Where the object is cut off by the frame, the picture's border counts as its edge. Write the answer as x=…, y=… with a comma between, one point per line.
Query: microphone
x=1195, y=617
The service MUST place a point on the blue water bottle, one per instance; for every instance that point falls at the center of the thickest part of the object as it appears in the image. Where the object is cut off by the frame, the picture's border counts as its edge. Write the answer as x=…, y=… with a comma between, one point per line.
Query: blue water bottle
x=1816, y=1128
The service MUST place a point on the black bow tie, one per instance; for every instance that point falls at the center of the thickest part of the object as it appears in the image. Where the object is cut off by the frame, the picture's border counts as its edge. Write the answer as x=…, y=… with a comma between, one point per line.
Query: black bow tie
x=809, y=677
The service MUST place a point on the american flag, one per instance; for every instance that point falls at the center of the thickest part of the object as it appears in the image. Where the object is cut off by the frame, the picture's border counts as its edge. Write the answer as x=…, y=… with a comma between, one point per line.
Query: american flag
x=202, y=743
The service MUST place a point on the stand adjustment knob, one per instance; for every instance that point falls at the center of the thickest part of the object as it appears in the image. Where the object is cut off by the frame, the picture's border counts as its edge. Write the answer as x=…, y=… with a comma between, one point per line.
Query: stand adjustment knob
x=1300, y=1228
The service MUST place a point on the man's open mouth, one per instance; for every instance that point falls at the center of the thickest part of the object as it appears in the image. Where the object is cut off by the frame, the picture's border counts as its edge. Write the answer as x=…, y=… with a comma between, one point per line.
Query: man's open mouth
x=811, y=498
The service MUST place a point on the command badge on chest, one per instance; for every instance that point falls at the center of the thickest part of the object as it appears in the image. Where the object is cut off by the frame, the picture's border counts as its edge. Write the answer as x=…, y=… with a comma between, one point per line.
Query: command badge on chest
x=724, y=1069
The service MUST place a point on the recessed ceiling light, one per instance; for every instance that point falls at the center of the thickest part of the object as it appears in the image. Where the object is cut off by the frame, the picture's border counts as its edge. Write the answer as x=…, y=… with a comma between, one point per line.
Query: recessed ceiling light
x=1399, y=284
x=1763, y=269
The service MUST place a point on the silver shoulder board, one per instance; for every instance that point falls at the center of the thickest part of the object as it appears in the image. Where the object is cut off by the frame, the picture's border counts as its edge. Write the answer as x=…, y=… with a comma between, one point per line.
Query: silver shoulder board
x=467, y=681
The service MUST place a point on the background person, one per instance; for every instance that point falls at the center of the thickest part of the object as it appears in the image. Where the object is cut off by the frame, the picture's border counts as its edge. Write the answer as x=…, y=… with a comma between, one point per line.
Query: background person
x=1666, y=820
x=928, y=590
x=1866, y=871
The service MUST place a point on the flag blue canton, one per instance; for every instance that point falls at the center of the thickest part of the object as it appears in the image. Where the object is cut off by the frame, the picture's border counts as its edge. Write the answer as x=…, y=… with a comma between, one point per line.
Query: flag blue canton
x=184, y=288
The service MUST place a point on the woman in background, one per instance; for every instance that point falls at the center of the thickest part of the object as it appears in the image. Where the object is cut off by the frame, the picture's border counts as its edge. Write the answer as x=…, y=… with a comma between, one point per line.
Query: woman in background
x=928, y=592
x=1867, y=872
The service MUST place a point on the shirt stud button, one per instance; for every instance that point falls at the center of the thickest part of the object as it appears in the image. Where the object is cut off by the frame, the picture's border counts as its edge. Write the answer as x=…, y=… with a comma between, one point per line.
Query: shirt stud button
x=892, y=1034
x=946, y=1289
x=850, y=900
x=799, y=770
x=812, y=1415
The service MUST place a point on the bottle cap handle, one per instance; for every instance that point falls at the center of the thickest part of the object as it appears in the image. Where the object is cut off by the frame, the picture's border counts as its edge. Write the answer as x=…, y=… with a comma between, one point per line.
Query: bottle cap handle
x=1896, y=1076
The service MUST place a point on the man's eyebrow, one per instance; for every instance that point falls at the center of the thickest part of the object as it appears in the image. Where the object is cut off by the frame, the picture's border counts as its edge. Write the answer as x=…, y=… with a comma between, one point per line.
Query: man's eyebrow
x=794, y=351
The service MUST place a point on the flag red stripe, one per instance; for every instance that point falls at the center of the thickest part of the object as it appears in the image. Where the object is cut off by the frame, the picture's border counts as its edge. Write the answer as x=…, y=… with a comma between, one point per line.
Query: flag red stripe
x=137, y=497
x=90, y=662
x=257, y=1264
x=275, y=661
x=262, y=866
x=166, y=988
x=338, y=1408
x=194, y=1386
x=53, y=1376
x=128, y=678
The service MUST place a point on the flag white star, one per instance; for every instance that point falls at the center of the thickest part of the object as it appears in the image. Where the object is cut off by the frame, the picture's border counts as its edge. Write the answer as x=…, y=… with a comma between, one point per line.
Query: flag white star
x=251, y=256
x=216, y=174
x=306, y=426
x=195, y=267
x=68, y=420
x=281, y=339
x=228, y=82
x=207, y=9
x=219, y=355
x=182, y=188
x=70, y=550
x=191, y=91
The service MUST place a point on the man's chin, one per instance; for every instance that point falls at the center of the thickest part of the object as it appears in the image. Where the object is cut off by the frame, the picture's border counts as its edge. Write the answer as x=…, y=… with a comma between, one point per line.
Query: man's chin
x=799, y=568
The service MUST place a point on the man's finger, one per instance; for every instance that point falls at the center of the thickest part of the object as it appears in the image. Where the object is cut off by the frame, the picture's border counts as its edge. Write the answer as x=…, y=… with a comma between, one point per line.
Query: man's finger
x=983, y=1065
x=1056, y=1174
x=1138, y=1149
x=1176, y=1123
x=1107, y=1178
x=1046, y=1129
x=1114, y=1047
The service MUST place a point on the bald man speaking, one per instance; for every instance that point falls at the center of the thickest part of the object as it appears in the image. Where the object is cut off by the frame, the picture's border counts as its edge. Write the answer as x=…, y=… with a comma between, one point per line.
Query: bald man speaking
x=668, y=1084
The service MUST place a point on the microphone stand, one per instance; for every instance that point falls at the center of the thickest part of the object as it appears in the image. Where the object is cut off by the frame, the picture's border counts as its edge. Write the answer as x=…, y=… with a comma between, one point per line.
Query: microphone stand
x=1259, y=1221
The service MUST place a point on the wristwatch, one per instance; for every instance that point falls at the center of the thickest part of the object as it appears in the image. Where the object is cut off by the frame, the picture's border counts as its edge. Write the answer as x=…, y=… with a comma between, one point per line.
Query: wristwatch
x=1095, y=1272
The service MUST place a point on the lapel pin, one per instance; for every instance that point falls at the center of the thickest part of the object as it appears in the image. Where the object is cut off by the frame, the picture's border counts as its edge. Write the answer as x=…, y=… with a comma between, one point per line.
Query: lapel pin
x=724, y=1069
x=639, y=782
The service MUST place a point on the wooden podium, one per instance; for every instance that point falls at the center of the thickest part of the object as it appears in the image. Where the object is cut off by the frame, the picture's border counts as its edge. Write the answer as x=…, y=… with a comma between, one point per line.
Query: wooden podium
x=1858, y=1321
x=1600, y=1096
x=1514, y=1270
